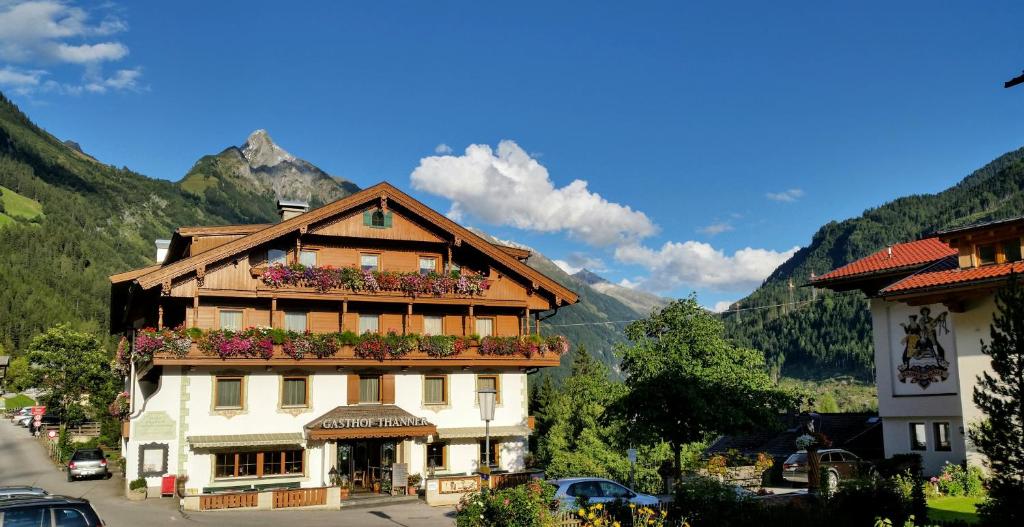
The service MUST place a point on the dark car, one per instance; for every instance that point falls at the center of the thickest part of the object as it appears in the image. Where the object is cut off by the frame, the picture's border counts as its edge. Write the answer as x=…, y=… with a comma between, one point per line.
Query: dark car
x=37, y=511
x=87, y=462
x=839, y=465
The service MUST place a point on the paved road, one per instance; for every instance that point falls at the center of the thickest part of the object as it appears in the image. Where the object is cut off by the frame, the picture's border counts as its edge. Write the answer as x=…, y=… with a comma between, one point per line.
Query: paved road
x=23, y=462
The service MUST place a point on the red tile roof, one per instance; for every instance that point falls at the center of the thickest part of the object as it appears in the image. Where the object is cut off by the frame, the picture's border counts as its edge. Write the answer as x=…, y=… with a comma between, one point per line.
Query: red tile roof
x=904, y=255
x=947, y=273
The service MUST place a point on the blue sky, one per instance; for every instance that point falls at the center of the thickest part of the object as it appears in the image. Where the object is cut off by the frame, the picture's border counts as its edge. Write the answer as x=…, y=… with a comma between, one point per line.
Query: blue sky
x=731, y=131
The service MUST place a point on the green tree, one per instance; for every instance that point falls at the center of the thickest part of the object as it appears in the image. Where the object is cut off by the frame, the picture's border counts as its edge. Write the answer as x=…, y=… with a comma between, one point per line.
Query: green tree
x=1000, y=396
x=72, y=369
x=19, y=375
x=687, y=382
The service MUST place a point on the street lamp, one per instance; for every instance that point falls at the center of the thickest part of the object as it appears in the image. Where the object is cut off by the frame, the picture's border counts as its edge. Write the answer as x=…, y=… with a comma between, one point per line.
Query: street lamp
x=486, y=398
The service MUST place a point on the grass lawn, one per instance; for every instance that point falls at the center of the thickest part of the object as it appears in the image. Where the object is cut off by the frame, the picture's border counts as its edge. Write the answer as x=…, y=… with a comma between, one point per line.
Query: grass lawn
x=18, y=206
x=953, y=508
x=18, y=401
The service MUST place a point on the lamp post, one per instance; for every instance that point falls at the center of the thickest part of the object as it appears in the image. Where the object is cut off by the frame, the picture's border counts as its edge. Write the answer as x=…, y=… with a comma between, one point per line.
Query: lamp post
x=486, y=399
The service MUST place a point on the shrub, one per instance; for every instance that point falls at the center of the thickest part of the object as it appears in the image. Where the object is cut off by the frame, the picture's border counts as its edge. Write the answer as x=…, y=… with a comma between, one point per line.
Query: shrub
x=956, y=480
x=137, y=484
x=706, y=501
x=528, y=505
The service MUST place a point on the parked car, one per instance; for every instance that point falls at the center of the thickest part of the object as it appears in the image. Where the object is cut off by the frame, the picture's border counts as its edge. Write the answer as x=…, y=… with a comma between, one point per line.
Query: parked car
x=598, y=490
x=37, y=510
x=22, y=412
x=87, y=462
x=21, y=490
x=839, y=465
x=22, y=419
x=50, y=421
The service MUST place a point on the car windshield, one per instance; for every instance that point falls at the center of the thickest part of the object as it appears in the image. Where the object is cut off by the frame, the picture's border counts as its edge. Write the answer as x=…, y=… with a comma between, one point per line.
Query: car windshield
x=88, y=455
x=799, y=457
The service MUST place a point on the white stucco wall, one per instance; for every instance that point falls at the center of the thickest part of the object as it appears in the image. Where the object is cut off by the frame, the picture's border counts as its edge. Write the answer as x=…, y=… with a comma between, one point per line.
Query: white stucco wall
x=186, y=397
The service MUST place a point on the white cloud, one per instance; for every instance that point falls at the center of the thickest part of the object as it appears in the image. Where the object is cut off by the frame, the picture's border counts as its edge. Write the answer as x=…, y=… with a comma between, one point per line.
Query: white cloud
x=442, y=149
x=566, y=266
x=786, y=196
x=626, y=282
x=54, y=33
x=585, y=261
x=699, y=265
x=509, y=187
x=716, y=228
x=722, y=305
x=20, y=79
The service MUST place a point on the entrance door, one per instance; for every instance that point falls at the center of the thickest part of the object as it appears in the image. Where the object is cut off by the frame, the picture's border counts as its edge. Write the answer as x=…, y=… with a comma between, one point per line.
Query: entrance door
x=345, y=462
x=365, y=462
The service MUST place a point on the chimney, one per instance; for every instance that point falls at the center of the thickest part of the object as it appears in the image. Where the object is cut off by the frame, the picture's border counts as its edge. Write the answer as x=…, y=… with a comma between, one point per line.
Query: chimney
x=289, y=209
x=161, y=250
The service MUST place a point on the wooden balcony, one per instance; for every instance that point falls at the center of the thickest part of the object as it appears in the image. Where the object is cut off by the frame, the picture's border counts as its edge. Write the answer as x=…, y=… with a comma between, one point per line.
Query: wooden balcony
x=346, y=357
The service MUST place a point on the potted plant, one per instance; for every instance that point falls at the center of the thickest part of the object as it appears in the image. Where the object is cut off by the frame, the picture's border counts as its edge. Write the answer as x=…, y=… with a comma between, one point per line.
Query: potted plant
x=376, y=487
x=414, y=483
x=346, y=489
x=385, y=486
x=137, y=490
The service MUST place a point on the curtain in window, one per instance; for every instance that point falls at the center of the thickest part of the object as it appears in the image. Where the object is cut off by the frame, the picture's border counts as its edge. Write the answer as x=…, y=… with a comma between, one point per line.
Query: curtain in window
x=428, y=265
x=485, y=327
x=433, y=390
x=295, y=321
x=433, y=325
x=229, y=392
x=295, y=392
x=307, y=258
x=231, y=319
x=369, y=389
x=369, y=323
x=368, y=262
x=486, y=382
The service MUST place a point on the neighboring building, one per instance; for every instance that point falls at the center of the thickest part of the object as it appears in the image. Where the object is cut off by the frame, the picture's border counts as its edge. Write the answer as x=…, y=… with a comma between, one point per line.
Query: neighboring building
x=932, y=303
x=860, y=433
x=238, y=413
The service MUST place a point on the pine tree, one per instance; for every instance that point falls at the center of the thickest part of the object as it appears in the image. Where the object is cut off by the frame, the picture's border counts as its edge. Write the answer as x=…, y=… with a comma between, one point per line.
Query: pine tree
x=1000, y=395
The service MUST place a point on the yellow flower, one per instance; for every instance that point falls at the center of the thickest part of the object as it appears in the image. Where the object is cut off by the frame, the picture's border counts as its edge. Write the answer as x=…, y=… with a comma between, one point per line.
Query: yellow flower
x=616, y=524
x=582, y=512
x=664, y=513
x=632, y=505
x=650, y=522
x=591, y=516
x=599, y=506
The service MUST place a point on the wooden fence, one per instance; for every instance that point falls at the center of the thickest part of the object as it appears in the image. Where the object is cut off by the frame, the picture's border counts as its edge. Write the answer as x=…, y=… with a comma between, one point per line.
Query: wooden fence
x=300, y=497
x=235, y=500
x=511, y=479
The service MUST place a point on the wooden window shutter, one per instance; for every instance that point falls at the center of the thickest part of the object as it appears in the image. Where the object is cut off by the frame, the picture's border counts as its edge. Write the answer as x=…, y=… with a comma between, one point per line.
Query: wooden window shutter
x=352, y=380
x=368, y=217
x=387, y=388
x=387, y=219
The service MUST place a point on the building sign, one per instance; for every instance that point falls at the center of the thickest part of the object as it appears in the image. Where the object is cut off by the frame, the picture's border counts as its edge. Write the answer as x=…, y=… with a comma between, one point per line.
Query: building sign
x=459, y=485
x=373, y=422
x=922, y=350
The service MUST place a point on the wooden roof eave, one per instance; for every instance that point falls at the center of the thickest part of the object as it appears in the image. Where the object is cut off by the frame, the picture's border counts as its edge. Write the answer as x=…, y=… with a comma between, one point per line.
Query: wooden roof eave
x=561, y=295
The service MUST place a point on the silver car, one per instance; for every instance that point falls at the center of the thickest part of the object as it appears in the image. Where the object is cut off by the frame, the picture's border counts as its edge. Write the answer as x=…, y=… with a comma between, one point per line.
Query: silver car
x=598, y=490
x=89, y=462
x=21, y=490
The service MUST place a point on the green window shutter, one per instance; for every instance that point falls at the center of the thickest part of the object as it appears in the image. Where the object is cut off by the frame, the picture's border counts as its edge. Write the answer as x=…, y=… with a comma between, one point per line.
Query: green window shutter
x=387, y=219
x=367, y=217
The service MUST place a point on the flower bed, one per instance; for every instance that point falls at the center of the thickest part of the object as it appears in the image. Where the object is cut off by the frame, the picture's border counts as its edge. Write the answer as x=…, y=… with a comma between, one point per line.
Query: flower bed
x=326, y=278
x=258, y=343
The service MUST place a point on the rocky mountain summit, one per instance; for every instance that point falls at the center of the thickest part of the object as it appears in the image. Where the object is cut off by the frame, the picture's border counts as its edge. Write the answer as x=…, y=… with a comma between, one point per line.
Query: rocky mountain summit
x=640, y=301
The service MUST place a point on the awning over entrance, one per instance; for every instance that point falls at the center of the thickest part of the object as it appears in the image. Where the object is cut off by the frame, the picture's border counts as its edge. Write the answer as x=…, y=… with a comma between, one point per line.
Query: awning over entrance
x=478, y=431
x=366, y=421
x=243, y=440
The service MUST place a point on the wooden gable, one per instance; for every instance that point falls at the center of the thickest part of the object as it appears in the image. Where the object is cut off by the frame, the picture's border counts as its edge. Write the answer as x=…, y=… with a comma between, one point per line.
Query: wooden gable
x=355, y=224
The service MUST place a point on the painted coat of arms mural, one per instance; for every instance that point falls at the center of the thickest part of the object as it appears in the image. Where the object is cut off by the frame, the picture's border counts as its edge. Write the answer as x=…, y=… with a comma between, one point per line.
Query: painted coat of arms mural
x=924, y=359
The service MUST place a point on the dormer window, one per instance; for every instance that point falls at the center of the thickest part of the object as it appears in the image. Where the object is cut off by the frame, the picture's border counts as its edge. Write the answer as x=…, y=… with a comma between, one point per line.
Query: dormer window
x=987, y=254
x=999, y=252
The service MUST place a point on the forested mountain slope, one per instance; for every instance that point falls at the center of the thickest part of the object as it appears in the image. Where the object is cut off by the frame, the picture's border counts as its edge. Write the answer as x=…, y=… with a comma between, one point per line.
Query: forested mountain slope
x=833, y=334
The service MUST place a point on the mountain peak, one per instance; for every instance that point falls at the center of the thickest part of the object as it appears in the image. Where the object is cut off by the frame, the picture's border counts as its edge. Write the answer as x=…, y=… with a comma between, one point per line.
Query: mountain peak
x=589, y=277
x=261, y=151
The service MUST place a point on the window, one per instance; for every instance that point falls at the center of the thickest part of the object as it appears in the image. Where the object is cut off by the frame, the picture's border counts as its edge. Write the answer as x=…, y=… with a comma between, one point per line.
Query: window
x=307, y=258
x=987, y=254
x=485, y=327
x=295, y=321
x=231, y=319
x=918, y=441
x=369, y=324
x=584, y=489
x=614, y=490
x=228, y=392
x=433, y=325
x=28, y=517
x=369, y=388
x=436, y=458
x=434, y=389
x=428, y=264
x=495, y=453
x=942, y=437
x=377, y=218
x=1011, y=250
x=258, y=464
x=276, y=256
x=65, y=518
x=369, y=262
x=294, y=392
x=489, y=381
